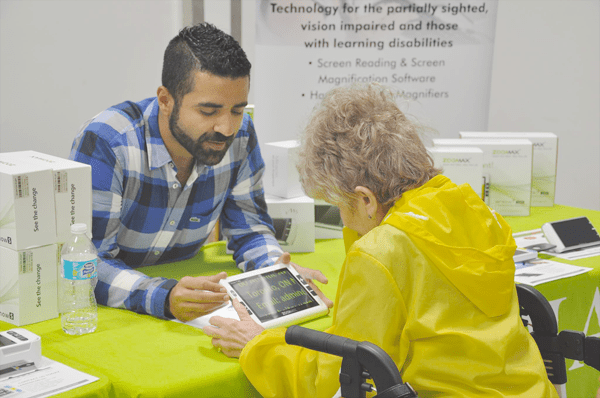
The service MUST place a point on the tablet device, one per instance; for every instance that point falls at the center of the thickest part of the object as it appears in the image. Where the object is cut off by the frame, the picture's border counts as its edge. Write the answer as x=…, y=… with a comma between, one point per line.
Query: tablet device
x=522, y=254
x=275, y=296
x=328, y=216
x=570, y=234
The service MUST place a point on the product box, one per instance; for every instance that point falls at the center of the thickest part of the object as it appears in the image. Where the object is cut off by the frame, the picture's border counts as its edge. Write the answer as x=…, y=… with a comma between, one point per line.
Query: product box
x=293, y=220
x=281, y=176
x=507, y=168
x=545, y=154
x=463, y=165
x=28, y=287
x=27, y=215
x=72, y=190
x=328, y=222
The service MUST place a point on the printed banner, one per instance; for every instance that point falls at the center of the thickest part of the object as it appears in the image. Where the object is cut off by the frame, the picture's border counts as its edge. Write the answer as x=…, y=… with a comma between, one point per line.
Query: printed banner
x=437, y=55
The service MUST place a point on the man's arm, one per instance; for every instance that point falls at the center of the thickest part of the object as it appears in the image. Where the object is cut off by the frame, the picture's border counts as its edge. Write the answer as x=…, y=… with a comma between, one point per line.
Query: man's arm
x=245, y=220
x=118, y=284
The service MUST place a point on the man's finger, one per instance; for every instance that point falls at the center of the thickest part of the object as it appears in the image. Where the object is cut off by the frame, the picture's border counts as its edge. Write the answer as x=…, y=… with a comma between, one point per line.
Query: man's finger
x=285, y=258
x=181, y=296
x=210, y=283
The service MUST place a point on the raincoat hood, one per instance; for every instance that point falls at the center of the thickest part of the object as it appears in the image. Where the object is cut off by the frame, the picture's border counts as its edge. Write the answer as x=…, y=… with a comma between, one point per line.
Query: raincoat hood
x=445, y=221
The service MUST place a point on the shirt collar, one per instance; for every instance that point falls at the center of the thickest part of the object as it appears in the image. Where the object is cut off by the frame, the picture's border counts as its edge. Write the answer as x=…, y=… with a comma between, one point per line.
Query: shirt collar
x=158, y=156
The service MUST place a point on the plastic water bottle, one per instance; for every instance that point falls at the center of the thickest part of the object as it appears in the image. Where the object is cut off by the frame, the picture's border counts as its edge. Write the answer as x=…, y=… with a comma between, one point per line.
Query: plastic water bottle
x=79, y=259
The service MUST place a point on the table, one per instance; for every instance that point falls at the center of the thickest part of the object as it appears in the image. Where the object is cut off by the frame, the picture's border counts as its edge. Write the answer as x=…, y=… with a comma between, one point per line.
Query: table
x=575, y=300
x=138, y=355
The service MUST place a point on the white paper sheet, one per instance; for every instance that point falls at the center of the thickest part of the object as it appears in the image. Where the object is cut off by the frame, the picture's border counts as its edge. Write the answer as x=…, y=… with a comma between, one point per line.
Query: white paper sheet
x=536, y=236
x=540, y=271
x=49, y=379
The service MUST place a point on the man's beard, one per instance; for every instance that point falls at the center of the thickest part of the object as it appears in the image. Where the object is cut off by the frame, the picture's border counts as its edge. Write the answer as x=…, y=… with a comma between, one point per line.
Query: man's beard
x=207, y=156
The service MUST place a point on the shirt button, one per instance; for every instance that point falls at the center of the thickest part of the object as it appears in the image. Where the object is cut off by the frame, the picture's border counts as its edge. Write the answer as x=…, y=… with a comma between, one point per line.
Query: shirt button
x=156, y=253
x=172, y=223
x=175, y=186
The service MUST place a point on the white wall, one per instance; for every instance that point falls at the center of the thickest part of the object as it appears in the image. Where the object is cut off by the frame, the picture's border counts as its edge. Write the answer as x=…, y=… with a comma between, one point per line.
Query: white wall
x=62, y=62
x=546, y=77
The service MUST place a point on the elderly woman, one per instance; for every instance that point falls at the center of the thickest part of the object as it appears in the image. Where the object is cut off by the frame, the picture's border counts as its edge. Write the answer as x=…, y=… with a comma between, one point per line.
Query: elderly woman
x=428, y=276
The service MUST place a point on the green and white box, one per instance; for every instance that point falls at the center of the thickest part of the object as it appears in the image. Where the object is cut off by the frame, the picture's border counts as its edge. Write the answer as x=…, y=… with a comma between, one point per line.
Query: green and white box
x=27, y=215
x=545, y=155
x=507, y=169
x=281, y=176
x=463, y=165
x=72, y=190
x=28, y=287
x=293, y=220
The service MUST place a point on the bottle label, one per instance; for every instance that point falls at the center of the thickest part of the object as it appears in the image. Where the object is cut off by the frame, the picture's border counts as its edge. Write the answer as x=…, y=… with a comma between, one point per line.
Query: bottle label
x=80, y=270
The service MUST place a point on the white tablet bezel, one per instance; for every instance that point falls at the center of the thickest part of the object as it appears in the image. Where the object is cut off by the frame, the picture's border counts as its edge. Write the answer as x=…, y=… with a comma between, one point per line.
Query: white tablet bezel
x=283, y=320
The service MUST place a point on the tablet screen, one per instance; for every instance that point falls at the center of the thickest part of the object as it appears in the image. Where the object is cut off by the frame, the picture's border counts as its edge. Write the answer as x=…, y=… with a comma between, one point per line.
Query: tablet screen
x=273, y=294
x=575, y=231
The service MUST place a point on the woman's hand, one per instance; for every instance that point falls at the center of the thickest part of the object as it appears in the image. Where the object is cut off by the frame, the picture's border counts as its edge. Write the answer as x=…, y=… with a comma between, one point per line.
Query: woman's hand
x=230, y=335
x=308, y=274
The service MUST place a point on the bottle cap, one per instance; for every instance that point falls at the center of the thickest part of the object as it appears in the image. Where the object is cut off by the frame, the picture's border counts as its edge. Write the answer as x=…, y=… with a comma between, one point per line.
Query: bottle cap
x=78, y=228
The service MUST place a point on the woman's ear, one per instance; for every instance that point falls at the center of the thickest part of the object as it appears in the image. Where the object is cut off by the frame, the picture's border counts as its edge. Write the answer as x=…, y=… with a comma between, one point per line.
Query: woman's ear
x=367, y=199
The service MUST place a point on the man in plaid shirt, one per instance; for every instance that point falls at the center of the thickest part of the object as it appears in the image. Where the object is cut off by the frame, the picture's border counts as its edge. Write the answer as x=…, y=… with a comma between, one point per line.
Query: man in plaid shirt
x=165, y=169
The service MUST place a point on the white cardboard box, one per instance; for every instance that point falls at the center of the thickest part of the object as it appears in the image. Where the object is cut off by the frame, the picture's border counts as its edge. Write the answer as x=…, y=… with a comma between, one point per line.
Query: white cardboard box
x=27, y=214
x=281, y=176
x=328, y=222
x=72, y=190
x=28, y=287
x=545, y=154
x=507, y=167
x=463, y=165
x=293, y=220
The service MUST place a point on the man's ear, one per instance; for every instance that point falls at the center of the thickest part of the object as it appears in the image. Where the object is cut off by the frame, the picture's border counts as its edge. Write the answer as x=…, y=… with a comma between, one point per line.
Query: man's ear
x=165, y=100
x=368, y=199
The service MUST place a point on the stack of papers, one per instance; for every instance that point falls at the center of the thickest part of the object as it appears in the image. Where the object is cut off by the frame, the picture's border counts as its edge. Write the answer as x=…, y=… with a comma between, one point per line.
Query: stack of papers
x=49, y=379
x=539, y=271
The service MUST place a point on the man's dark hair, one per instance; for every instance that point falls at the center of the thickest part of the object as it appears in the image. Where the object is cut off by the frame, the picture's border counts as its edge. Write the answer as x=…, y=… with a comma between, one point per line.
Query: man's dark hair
x=205, y=48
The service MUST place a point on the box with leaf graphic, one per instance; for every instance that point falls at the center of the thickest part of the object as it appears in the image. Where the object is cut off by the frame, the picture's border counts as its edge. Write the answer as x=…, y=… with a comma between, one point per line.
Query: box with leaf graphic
x=545, y=154
x=507, y=168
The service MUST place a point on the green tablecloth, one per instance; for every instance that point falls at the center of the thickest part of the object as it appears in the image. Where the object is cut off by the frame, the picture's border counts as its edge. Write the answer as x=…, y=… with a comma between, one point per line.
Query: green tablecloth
x=577, y=298
x=137, y=355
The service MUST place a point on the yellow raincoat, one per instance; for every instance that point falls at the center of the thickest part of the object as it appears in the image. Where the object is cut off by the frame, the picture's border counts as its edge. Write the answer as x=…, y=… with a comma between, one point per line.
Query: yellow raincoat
x=433, y=286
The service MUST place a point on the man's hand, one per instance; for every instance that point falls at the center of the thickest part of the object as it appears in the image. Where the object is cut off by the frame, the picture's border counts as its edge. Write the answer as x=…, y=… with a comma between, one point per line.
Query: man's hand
x=196, y=296
x=230, y=335
x=308, y=274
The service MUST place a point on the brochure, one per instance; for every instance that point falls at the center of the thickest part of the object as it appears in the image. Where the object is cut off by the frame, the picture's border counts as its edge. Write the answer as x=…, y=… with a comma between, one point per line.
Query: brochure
x=540, y=271
x=526, y=239
x=49, y=379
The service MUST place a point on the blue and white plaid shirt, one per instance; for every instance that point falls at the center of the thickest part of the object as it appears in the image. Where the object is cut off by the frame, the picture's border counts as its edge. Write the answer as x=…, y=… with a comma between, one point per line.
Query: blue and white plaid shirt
x=143, y=216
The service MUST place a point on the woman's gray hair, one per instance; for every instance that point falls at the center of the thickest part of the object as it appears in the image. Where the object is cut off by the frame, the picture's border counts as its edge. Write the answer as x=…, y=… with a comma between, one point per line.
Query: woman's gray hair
x=358, y=136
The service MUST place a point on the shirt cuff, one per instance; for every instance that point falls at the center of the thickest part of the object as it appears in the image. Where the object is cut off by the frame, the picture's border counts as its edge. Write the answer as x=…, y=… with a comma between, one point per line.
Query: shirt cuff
x=161, y=301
